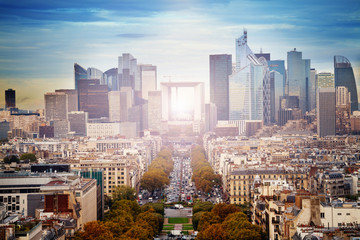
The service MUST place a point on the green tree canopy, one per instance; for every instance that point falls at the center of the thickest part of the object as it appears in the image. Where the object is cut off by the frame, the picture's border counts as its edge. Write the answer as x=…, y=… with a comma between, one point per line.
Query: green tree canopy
x=124, y=192
x=11, y=158
x=28, y=156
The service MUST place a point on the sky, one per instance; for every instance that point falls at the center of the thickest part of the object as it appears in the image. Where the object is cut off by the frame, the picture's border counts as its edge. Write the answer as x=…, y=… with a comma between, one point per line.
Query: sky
x=40, y=40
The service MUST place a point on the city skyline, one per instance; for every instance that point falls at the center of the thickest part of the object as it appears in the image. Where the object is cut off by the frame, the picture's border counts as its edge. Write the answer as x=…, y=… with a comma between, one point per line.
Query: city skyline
x=41, y=41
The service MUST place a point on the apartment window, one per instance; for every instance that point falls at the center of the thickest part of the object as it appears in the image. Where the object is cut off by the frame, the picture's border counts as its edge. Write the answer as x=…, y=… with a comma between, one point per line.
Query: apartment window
x=118, y=177
x=234, y=187
x=122, y=173
x=348, y=214
x=322, y=215
x=339, y=214
x=239, y=188
x=122, y=182
x=244, y=182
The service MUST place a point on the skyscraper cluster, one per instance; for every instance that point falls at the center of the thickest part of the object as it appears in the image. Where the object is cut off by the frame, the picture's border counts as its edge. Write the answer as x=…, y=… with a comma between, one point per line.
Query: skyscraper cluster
x=116, y=97
x=257, y=87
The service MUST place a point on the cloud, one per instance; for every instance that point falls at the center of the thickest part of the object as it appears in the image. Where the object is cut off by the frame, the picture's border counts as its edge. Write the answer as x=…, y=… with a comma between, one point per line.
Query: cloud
x=133, y=35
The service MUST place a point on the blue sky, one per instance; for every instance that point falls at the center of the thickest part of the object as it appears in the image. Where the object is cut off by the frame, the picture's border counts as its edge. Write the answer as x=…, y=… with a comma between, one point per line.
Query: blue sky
x=40, y=40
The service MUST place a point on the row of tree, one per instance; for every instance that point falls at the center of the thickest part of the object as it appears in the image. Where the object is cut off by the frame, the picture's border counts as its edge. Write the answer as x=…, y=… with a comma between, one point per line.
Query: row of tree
x=158, y=172
x=126, y=220
x=203, y=174
x=224, y=222
x=24, y=157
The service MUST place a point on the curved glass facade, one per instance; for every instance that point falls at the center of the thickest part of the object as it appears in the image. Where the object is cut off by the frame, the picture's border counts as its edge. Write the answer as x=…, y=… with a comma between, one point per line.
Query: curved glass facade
x=344, y=76
x=80, y=73
x=249, y=86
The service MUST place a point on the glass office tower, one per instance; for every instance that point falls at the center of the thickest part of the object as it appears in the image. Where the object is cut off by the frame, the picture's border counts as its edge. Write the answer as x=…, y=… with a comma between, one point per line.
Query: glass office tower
x=220, y=70
x=344, y=76
x=249, y=86
x=80, y=73
x=298, y=77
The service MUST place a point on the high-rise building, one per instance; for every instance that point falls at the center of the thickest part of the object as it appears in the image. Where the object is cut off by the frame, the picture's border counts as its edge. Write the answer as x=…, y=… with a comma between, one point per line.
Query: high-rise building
x=148, y=79
x=10, y=98
x=72, y=95
x=326, y=107
x=111, y=79
x=312, y=90
x=61, y=127
x=127, y=70
x=56, y=106
x=126, y=102
x=343, y=110
x=94, y=73
x=114, y=106
x=220, y=70
x=93, y=98
x=344, y=76
x=210, y=117
x=249, y=86
x=264, y=55
x=279, y=66
x=77, y=122
x=46, y=131
x=4, y=129
x=298, y=77
x=154, y=111
x=79, y=73
x=325, y=80
x=276, y=91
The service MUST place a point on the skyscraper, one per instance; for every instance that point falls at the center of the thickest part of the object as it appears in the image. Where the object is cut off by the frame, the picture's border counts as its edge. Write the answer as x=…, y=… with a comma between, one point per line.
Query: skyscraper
x=298, y=77
x=111, y=79
x=344, y=76
x=279, y=66
x=325, y=80
x=127, y=70
x=77, y=122
x=312, y=90
x=154, y=111
x=326, y=109
x=249, y=86
x=220, y=70
x=79, y=73
x=72, y=96
x=10, y=98
x=56, y=106
x=93, y=98
x=147, y=80
x=94, y=73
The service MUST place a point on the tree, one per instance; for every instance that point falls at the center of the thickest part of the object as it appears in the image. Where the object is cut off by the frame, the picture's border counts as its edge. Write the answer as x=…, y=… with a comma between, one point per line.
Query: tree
x=95, y=230
x=141, y=231
x=11, y=158
x=128, y=206
x=154, y=179
x=196, y=219
x=124, y=192
x=152, y=219
x=202, y=206
x=28, y=156
x=223, y=210
x=158, y=207
x=207, y=219
x=238, y=227
x=214, y=232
